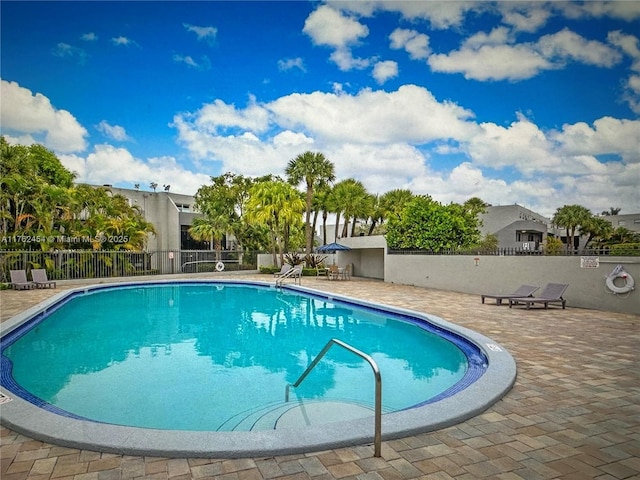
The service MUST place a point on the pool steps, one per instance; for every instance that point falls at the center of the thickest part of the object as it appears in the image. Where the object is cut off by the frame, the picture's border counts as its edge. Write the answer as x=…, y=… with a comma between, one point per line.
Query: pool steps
x=295, y=414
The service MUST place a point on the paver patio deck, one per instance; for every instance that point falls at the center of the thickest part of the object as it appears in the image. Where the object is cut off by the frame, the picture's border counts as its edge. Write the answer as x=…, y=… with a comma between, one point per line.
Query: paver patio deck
x=574, y=412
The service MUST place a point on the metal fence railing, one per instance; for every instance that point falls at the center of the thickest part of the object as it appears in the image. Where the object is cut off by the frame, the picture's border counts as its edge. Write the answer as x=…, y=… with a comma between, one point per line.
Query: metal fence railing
x=81, y=264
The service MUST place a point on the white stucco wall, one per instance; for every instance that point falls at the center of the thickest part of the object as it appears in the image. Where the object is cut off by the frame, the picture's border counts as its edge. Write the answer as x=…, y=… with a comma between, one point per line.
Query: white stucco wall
x=496, y=274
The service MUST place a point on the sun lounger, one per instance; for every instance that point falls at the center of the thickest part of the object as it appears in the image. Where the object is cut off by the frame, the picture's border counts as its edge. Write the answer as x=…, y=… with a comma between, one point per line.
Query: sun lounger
x=39, y=276
x=552, y=293
x=523, y=291
x=19, y=280
x=284, y=269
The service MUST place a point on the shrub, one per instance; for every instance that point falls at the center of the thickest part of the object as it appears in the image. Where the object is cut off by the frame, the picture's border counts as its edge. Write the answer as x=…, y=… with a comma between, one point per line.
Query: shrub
x=553, y=246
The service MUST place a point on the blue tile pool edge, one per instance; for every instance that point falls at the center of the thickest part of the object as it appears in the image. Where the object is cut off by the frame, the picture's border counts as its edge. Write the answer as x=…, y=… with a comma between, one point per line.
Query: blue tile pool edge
x=495, y=381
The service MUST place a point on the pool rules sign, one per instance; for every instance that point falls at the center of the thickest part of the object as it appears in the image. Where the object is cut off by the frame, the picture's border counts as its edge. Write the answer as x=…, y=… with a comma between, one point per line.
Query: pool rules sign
x=589, y=262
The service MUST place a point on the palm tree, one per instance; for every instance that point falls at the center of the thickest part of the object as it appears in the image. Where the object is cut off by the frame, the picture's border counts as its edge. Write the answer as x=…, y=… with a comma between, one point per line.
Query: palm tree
x=612, y=211
x=348, y=198
x=391, y=204
x=596, y=228
x=571, y=217
x=315, y=170
x=319, y=204
x=210, y=229
x=276, y=204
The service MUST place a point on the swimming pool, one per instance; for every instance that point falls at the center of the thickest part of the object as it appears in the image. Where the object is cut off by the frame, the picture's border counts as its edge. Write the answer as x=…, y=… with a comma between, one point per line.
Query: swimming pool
x=272, y=321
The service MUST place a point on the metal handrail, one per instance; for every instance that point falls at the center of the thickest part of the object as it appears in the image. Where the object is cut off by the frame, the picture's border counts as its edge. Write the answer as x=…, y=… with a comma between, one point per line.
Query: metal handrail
x=377, y=438
x=296, y=273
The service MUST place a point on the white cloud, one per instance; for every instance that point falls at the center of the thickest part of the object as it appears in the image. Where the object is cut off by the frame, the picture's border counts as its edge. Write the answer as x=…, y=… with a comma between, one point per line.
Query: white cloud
x=608, y=135
x=411, y=114
x=383, y=71
x=89, y=37
x=111, y=165
x=629, y=45
x=494, y=57
x=624, y=10
x=440, y=14
x=25, y=113
x=329, y=27
x=207, y=34
x=568, y=45
x=521, y=145
x=123, y=41
x=291, y=63
x=525, y=16
x=203, y=64
x=345, y=60
x=114, y=132
x=491, y=62
x=64, y=50
x=416, y=44
x=218, y=116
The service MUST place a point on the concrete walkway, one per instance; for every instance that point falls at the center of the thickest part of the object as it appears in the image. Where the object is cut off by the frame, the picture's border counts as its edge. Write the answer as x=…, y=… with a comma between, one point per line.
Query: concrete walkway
x=574, y=412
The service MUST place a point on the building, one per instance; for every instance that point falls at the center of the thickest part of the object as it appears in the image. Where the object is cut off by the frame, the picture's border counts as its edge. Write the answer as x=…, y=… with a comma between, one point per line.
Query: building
x=515, y=226
x=630, y=221
x=171, y=215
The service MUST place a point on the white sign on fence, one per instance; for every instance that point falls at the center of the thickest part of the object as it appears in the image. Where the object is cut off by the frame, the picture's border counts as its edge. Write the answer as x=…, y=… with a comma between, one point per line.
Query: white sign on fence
x=589, y=262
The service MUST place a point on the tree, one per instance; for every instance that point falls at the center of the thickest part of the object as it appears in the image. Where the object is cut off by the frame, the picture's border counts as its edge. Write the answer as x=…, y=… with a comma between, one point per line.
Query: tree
x=570, y=217
x=276, y=204
x=623, y=235
x=315, y=170
x=475, y=205
x=429, y=225
x=219, y=204
x=596, y=228
x=320, y=204
x=39, y=199
x=612, y=211
x=393, y=202
x=348, y=198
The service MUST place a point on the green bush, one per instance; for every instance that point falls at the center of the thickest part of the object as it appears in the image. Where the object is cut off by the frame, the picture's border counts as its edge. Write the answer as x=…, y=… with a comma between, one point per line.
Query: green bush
x=625, y=249
x=270, y=269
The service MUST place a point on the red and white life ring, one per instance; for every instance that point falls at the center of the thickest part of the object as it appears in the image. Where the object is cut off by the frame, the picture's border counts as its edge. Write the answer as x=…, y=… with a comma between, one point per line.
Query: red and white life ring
x=629, y=283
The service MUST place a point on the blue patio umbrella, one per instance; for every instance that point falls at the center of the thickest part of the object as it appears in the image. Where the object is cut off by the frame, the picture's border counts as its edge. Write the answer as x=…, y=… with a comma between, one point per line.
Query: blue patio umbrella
x=332, y=248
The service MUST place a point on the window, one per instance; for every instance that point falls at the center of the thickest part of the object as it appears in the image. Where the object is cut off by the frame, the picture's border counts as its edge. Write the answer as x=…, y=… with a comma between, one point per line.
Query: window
x=622, y=222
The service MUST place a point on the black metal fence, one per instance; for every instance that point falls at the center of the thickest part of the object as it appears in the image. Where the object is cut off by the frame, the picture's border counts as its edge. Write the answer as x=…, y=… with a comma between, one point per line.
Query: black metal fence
x=80, y=264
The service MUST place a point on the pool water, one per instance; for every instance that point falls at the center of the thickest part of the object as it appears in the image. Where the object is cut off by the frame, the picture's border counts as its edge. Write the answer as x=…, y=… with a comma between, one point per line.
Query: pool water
x=218, y=356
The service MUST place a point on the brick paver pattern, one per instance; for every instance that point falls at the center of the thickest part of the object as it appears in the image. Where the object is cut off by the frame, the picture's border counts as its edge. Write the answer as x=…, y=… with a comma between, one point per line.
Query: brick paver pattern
x=574, y=412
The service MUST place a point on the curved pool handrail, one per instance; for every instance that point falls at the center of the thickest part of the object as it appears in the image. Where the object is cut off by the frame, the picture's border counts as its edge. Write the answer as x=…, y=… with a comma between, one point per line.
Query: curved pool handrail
x=377, y=437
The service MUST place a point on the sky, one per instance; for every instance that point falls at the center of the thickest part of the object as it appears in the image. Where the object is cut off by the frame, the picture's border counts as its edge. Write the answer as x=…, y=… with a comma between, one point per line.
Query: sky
x=530, y=103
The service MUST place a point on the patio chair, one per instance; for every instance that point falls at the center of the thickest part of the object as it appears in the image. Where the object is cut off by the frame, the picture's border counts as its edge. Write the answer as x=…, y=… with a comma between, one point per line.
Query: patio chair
x=19, y=280
x=39, y=276
x=285, y=268
x=297, y=271
x=522, y=291
x=334, y=272
x=552, y=293
x=346, y=272
x=322, y=271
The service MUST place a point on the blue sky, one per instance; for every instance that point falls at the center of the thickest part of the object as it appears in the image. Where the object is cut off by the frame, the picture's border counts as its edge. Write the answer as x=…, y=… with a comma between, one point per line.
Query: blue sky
x=535, y=103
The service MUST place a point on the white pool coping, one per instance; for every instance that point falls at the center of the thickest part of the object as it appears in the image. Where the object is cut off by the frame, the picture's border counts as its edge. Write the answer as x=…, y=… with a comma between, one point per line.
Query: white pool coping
x=37, y=423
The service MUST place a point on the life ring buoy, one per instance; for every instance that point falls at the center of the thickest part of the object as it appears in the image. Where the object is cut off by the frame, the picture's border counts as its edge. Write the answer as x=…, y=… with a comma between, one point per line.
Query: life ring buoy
x=629, y=283
x=219, y=266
